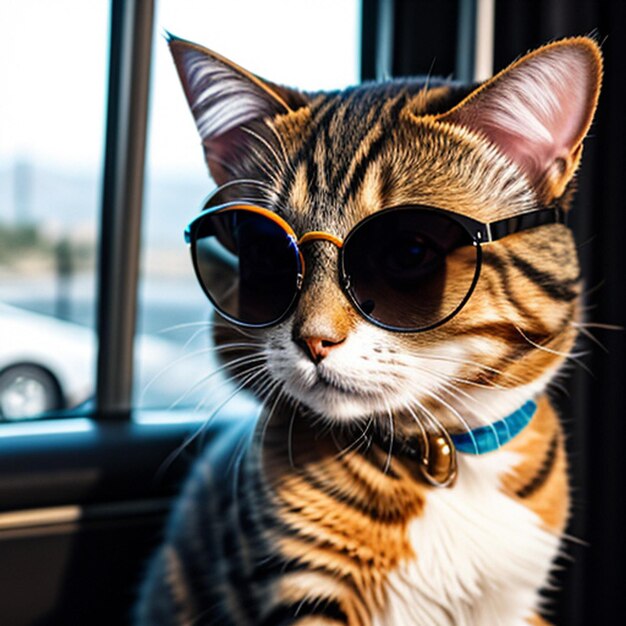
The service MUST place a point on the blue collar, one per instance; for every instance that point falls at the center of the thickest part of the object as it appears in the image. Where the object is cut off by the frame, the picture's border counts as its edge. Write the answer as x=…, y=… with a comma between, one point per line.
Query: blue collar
x=487, y=438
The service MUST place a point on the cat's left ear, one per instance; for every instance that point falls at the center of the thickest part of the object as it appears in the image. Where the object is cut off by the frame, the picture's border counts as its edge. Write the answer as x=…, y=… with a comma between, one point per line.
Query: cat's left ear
x=538, y=110
x=223, y=98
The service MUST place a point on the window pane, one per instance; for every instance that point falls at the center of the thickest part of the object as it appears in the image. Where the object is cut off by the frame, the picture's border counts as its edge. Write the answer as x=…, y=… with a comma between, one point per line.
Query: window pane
x=53, y=58
x=322, y=44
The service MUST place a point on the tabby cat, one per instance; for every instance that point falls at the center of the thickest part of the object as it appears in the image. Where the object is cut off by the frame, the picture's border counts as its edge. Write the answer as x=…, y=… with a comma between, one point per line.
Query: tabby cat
x=397, y=285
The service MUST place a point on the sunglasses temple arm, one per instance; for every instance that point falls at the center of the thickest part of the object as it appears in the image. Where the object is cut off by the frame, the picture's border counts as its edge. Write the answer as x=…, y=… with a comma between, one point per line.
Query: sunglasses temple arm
x=510, y=225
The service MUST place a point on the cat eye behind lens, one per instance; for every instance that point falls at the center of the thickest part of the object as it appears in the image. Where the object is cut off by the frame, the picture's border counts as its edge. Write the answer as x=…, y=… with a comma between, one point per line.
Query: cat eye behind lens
x=407, y=269
x=248, y=265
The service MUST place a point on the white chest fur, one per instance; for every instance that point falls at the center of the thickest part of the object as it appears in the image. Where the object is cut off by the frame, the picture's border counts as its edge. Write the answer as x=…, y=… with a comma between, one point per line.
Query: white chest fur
x=480, y=556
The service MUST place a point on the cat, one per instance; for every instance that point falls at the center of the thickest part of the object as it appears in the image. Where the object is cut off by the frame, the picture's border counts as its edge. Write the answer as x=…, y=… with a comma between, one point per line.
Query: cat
x=407, y=467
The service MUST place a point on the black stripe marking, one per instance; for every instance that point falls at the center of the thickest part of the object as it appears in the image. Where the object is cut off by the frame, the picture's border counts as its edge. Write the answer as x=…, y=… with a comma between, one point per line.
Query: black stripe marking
x=491, y=259
x=327, y=109
x=275, y=566
x=349, y=501
x=544, y=472
x=287, y=614
x=557, y=289
x=340, y=169
x=322, y=136
x=375, y=148
x=376, y=456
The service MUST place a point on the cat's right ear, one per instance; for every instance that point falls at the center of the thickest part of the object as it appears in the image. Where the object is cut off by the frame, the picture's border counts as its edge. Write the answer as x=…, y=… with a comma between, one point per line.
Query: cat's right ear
x=223, y=98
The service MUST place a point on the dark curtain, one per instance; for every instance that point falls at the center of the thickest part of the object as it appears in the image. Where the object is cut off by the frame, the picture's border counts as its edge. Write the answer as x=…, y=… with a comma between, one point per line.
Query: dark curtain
x=424, y=36
x=596, y=408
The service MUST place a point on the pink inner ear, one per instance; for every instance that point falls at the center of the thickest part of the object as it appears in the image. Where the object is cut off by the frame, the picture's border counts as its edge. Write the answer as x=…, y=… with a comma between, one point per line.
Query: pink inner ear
x=224, y=150
x=539, y=110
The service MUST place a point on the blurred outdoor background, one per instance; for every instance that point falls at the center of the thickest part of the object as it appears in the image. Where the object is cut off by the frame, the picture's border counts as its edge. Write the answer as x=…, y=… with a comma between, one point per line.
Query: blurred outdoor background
x=54, y=71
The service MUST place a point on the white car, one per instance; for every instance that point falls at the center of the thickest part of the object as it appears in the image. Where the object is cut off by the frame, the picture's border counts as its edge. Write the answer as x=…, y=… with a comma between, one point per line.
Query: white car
x=47, y=364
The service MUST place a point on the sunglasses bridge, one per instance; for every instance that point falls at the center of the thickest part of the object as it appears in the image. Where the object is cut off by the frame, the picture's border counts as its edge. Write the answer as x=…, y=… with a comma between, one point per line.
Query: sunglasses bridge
x=310, y=237
x=319, y=235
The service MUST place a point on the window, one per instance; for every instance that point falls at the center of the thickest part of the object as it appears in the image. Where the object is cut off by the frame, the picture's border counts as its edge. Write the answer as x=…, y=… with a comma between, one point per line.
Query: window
x=51, y=148
x=51, y=165
x=173, y=311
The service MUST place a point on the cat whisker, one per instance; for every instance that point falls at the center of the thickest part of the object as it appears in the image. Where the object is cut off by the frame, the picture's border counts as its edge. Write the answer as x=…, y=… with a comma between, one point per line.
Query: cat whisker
x=591, y=290
x=434, y=357
x=190, y=355
x=466, y=381
x=169, y=366
x=244, y=360
x=228, y=347
x=191, y=438
x=431, y=417
x=194, y=335
x=249, y=375
x=290, y=436
x=449, y=387
x=236, y=458
x=391, y=442
x=573, y=356
x=459, y=417
x=169, y=329
x=465, y=399
x=426, y=450
x=267, y=418
x=446, y=382
x=246, y=378
x=197, y=333
x=203, y=331
x=262, y=386
x=584, y=331
x=597, y=325
x=584, y=327
x=264, y=142
x=237, y=329
x=356, y=444
x=322, y=425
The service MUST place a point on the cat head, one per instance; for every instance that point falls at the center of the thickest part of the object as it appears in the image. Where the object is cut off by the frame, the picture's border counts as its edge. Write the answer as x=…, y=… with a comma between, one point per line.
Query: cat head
x=326, y=161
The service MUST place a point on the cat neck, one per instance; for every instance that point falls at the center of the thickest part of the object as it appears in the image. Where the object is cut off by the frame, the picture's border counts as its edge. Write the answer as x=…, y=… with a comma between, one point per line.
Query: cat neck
x=302, y=437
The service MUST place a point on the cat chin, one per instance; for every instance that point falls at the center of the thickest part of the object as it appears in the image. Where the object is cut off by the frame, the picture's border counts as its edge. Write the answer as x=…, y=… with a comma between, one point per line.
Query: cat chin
x=335, y=406
x=343, y=405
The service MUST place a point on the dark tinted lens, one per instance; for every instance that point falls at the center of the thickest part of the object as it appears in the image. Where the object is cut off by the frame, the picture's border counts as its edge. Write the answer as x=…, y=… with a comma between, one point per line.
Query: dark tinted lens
x=247, y=264
x=410, y=268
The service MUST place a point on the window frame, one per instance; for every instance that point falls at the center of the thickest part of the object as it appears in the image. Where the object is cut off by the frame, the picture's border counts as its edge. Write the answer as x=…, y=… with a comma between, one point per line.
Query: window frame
x=131, y=36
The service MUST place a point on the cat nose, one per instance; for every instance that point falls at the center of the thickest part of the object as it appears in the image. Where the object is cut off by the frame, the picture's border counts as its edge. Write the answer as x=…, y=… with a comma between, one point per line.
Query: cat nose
x=318, y=348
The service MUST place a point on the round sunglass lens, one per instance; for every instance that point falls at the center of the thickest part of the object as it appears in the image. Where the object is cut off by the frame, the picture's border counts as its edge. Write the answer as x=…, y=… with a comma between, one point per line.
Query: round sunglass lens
x=410, y=269
x=247, y=264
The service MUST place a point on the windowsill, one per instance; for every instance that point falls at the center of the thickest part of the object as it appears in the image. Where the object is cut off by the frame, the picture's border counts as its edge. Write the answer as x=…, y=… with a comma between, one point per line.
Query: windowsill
x=85, y=461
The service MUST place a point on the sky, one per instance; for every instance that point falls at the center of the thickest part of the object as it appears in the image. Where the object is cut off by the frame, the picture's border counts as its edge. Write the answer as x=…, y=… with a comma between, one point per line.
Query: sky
x=53, y=70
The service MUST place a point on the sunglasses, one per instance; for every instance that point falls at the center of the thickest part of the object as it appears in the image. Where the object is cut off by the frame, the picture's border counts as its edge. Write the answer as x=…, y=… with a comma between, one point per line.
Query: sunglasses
x=405, y=269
